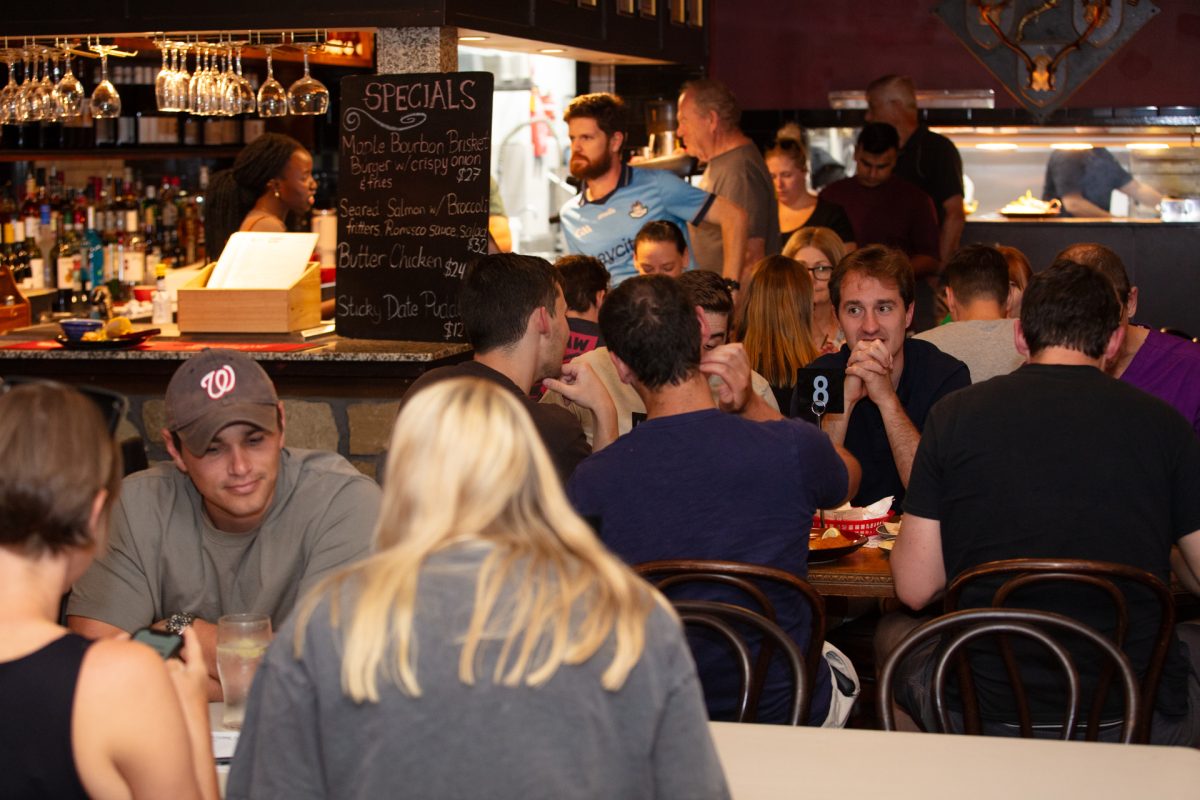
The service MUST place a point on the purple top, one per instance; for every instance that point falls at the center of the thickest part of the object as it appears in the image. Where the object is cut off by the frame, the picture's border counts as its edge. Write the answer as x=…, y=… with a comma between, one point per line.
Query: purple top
x=1168, y=367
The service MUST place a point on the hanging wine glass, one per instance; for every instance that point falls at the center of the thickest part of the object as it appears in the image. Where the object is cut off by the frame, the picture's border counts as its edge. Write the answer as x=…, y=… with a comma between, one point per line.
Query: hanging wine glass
x=106, y=102
x=69, y=91
x=51, y=110
x=308, y=95
x=27, y=110
x=8, y=95
x=272, y=97
x=243, y=99
x=178, y=83
x=162, y=82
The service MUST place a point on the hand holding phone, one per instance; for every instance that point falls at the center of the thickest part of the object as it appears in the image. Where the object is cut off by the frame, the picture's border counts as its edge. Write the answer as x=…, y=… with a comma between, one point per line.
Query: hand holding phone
x=167, y=645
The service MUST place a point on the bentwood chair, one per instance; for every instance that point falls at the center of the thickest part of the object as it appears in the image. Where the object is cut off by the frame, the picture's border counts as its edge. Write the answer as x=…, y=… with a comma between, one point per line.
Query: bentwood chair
x=953, y=632
x=727, y=620
x=1010, y=582
x=746, y=582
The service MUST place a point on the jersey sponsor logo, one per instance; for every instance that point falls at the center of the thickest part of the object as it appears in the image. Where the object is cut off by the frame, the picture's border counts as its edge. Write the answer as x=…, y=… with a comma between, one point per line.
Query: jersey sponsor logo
x=617, y=253
x=608, y=212
x=638, y=209
x=583, y=230
x=219, y=382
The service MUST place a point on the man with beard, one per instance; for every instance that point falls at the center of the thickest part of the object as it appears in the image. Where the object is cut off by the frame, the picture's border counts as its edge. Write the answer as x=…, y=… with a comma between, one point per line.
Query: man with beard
x=616, y=200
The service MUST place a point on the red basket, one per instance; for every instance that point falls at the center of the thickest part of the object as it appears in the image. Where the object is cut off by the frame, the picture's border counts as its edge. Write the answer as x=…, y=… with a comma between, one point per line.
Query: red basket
x=865, y=527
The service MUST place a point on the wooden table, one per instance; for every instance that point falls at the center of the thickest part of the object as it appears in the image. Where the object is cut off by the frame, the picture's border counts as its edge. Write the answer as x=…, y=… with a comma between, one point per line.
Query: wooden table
x=864, y=573
x=764, y=762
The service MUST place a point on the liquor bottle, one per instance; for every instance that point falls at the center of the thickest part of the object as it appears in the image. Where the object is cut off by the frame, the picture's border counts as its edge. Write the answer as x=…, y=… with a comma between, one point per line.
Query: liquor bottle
x=134, y=252
x=160, y=301
x=22, y=270
x=68, y=259
x=29, y=207
x=93, y=247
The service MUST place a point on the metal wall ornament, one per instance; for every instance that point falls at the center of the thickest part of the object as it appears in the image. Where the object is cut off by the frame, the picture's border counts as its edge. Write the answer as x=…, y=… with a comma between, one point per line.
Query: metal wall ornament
x=1043, y=50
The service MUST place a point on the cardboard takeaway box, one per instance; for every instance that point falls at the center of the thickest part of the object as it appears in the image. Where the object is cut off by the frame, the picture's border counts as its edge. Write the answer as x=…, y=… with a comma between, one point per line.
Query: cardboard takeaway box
x=238, y=306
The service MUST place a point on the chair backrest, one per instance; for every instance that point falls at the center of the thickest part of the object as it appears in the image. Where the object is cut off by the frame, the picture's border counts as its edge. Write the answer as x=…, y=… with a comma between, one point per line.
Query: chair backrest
x=1106, y=577
x=955, y=630
x=726, y=619
x=749, y=580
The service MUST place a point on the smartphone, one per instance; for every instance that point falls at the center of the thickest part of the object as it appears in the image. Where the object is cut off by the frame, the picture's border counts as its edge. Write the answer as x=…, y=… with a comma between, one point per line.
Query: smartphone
x=165, y=644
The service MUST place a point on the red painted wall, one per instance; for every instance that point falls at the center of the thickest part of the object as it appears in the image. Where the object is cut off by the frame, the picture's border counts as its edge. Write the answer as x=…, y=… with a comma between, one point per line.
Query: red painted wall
x=792, y=53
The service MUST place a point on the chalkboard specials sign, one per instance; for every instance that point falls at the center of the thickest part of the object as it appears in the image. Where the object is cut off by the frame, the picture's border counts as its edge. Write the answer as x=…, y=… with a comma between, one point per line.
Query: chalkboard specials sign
x=413, y=179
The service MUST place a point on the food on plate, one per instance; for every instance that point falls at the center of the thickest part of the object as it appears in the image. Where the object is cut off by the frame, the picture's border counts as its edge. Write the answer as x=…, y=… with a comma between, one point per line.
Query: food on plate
x=116, y=328
x=829, y=539
x=1028, y=204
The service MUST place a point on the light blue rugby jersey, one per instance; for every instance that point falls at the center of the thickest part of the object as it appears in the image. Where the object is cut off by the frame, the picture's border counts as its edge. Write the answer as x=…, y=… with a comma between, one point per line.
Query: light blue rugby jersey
x=605, y=228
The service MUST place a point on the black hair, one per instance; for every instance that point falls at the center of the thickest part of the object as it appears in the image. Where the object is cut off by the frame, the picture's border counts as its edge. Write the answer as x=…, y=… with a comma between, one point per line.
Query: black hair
x=498, y=294
x=582, y=277
x=877, y=138
x=977, y=271
x=661, y=230
x=233, y=192
x=707, y=290
x=650, y=325
x=1070, y=305
x=884, y=264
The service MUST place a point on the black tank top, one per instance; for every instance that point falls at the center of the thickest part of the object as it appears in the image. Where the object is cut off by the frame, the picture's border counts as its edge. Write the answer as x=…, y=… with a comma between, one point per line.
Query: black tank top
x=37, y=693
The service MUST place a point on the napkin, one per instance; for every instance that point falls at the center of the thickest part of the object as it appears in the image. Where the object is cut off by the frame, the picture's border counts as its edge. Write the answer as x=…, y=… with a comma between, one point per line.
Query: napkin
x=875, y=510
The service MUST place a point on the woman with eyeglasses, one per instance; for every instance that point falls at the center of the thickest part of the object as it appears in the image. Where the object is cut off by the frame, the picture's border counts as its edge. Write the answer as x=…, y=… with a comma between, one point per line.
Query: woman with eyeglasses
x=820, y=250
x=787, y=161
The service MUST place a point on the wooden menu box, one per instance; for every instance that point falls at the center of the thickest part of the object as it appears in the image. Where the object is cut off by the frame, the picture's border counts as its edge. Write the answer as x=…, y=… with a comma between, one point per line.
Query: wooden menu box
x=204, y=310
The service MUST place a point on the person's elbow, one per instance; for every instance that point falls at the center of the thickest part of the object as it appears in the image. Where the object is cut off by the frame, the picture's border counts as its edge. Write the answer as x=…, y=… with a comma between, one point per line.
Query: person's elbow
x=913, y=593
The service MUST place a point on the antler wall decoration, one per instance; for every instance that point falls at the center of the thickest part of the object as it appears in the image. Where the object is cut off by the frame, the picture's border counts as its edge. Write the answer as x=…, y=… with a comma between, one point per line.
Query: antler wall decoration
x=1029, y=46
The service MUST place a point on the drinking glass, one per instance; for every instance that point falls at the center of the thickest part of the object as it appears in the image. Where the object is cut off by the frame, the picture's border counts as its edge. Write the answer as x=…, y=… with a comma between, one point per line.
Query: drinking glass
x=272, y=97
x=241, y=93
x=8, y=95
x=177, y=84
x=106, y=103
x=162, y=82
x=308, y=95
x=242, y=641
x=51, y=110
x=69, y=92
x=29, y=107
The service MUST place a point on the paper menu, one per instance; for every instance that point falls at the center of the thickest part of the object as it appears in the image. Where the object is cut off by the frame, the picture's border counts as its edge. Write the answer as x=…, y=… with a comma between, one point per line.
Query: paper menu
x=254, y=260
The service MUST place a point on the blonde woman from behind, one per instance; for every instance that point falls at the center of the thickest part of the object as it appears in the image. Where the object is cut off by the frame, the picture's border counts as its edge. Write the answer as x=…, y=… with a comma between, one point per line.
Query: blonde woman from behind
x=491, y=647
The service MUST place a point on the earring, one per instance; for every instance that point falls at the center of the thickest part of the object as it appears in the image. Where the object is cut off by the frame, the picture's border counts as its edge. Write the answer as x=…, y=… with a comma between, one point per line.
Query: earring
x=277, y=193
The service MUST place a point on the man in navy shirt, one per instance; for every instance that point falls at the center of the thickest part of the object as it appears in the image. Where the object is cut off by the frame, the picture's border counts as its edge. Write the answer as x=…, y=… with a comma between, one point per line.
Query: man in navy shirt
x=694, y=482
x=617, y=200
x=891, y=382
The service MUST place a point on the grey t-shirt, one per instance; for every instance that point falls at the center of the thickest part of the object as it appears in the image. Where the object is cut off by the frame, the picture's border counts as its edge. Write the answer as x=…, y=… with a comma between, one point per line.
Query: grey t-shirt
x=568, y=738
x=165, y=555
x=985, y=345
x=740, y=176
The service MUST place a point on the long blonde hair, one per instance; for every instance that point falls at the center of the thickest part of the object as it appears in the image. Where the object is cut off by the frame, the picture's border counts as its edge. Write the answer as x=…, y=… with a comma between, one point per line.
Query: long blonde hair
x=467, y=465
x=776, y=328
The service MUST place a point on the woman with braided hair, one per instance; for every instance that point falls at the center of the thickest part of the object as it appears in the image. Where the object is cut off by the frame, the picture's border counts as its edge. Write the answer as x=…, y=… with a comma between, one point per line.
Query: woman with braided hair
x=270, y=180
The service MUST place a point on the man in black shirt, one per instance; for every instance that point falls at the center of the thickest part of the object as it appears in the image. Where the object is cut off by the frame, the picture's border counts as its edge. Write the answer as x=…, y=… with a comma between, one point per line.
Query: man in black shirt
x=1058, y=460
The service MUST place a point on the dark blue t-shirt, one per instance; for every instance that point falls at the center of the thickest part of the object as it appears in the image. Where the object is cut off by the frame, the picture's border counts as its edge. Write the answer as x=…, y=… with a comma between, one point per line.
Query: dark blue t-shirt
x=928, y=376
x=709, y=485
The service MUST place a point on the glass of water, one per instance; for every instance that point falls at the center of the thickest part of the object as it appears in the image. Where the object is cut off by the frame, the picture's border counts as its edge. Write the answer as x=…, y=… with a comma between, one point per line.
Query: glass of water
x=242, y=641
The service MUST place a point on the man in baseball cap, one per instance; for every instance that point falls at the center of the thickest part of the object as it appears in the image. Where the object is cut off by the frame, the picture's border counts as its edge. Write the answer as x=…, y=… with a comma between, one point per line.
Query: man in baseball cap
x=236, y=523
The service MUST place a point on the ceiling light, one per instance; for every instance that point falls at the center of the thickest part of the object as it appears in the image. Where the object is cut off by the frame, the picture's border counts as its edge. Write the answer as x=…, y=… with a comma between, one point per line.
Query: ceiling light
x=996, y=146
x=472, y=38
x=1148, y=146
x=1070, y=146
x=551, y=50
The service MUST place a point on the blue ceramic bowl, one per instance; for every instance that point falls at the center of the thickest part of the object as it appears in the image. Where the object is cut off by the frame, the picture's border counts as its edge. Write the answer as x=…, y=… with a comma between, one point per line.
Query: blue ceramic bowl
x=76, y=328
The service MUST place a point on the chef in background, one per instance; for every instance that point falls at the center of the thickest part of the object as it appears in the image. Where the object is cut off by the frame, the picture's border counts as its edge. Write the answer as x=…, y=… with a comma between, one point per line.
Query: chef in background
x=1083, y=180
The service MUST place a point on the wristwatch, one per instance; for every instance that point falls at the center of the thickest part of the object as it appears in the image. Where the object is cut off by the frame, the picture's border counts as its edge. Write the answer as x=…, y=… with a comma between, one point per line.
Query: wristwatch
x=732, y=285
x=178, y=621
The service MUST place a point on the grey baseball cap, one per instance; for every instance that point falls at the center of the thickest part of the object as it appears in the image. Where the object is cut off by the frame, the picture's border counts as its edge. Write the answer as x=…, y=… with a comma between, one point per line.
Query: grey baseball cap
x=215, y=389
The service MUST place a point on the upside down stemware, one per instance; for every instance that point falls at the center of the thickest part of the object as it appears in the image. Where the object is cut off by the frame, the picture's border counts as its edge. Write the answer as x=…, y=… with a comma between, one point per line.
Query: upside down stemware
x=272, y=97
x=68, y=94
x=105, y=102
x=308, y=95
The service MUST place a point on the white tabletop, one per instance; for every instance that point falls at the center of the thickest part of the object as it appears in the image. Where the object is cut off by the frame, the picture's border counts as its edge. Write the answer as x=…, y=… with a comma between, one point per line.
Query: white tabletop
x=763, y=762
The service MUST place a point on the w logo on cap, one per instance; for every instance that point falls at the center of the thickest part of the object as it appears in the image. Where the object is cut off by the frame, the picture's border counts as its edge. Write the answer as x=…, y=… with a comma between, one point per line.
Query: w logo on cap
x=219, y=382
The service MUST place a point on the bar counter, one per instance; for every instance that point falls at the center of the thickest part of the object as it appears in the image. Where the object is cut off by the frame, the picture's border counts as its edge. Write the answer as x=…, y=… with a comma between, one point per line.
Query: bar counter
x=1162, y=258
x=339, y=394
